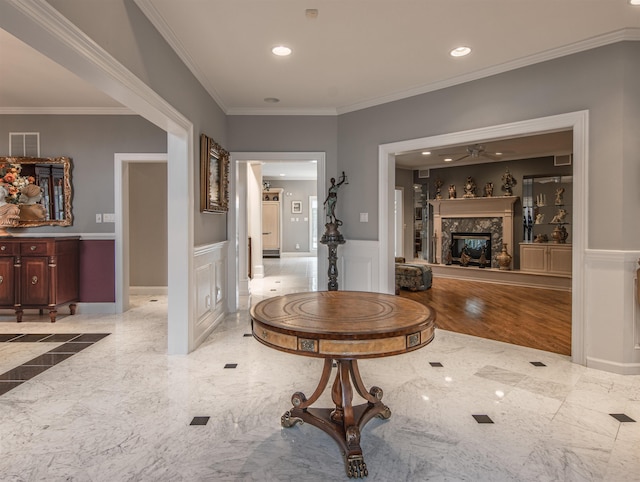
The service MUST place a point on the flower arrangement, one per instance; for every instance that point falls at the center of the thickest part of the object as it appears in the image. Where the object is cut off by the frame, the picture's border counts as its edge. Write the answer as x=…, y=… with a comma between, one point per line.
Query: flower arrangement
x=13, y=182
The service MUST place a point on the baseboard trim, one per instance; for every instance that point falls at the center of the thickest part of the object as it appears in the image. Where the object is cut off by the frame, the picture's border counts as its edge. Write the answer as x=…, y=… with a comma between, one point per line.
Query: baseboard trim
x=613, y=367
x=148, y=290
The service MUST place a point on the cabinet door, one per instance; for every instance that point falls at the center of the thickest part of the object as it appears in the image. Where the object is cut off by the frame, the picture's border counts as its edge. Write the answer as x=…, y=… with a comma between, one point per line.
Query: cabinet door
x=270, y=225
x=560, y=260
x=7, y=286
x=533, y=258
x=35, y=280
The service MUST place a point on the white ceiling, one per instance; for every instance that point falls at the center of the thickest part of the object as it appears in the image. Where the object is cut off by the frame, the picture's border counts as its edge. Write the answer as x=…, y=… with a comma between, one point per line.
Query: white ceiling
x=355, y=54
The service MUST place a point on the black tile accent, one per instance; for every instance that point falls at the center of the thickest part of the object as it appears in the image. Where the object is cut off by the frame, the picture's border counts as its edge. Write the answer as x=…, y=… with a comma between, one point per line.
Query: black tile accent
x=247, y=334
x=6, y=386
x=90, y=337
x=31, y=338
x=14, y=377
x=23, y=373
x=71, y=347
x=231, y=365
x=621, y=417
x=538, y=364
x=48, y=359
x=436, y=364
x=199, y=421
x=482, y=418
x=62, y=337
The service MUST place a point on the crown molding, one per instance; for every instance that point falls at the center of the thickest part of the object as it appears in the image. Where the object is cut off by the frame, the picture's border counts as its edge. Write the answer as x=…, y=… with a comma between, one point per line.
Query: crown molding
x=626, y=34
x=283, y=111
x=66, y=111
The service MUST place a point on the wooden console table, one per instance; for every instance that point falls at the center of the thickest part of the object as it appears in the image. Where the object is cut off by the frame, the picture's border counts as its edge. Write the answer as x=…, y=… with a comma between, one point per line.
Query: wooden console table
x=342, y=326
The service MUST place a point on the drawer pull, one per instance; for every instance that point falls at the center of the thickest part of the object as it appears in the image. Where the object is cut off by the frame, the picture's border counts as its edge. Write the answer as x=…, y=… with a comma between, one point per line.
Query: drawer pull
x=34, y=280
x=33, y=248
x=3, y=247
x=1, y=279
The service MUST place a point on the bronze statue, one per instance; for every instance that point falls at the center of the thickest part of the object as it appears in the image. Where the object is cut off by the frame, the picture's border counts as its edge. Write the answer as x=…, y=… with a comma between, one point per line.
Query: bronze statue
x=332, y=199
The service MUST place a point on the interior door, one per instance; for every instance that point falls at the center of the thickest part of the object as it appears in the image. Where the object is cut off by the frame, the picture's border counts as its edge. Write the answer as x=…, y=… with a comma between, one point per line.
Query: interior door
x=270, y=225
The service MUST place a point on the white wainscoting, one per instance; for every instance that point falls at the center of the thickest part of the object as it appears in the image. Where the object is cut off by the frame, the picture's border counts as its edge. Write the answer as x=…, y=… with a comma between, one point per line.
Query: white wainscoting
x=358, y=266
x=210, y=271
x=612, y=313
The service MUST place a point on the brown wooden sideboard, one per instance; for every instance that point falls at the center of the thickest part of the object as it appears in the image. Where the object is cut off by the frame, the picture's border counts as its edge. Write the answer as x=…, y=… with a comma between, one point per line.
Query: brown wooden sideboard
x=39, y=273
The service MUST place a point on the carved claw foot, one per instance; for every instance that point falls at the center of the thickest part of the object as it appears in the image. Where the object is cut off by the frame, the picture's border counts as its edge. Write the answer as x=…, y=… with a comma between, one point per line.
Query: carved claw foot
x=356, y=468
x=288, y=421
x=385, y=414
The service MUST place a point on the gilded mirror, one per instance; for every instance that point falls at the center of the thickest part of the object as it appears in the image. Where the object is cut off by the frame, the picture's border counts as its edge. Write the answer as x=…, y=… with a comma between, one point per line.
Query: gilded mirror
x=40, y=187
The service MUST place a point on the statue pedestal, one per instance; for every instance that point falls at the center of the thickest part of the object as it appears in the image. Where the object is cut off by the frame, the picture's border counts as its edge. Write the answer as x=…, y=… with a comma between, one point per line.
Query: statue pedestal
x=332, y=238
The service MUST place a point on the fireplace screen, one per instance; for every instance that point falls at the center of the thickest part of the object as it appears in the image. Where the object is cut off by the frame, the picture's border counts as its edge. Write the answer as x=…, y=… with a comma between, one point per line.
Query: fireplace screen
x=475, y=245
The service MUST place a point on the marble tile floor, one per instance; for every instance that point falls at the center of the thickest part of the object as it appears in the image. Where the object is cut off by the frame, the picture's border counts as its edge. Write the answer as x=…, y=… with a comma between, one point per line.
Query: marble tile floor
x=122, y=410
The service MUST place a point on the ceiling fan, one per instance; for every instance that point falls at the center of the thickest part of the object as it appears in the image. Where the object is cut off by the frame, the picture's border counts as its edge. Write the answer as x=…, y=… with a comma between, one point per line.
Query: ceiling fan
x=474, y=151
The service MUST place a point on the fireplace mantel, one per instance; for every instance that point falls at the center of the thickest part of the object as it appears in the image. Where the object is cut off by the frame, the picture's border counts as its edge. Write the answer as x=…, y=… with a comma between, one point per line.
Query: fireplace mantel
x=479, y=207
x=476, y=207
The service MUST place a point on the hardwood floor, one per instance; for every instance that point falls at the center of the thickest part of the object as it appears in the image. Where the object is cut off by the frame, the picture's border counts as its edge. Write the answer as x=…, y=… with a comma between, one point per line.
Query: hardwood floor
x=533, y=317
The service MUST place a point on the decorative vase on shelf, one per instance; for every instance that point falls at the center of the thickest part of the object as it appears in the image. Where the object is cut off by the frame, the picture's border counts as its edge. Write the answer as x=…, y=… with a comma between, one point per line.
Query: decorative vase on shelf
x=504, y=258
x=560, y=234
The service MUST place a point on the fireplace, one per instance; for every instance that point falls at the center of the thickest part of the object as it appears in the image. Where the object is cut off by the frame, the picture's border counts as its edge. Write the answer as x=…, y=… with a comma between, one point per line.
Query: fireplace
x=474, y=245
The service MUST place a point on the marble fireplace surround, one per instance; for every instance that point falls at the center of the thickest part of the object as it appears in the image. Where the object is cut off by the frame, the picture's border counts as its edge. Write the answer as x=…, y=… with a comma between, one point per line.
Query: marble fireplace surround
x=481, y=214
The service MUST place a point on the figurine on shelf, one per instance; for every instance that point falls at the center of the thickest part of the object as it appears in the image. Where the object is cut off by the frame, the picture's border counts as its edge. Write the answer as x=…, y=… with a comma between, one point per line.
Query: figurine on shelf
x=508, y=182
x=541, y=238
x=469, y=188
x=559, y=217
x=559, y=193
x=488, y=189
x=539, y=218
x=465, y=257
x=438, y=185
x=541, y=200
x=452, y=191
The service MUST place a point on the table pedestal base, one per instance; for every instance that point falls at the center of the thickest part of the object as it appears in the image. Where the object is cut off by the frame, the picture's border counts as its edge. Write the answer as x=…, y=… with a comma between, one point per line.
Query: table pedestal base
x=344, y=422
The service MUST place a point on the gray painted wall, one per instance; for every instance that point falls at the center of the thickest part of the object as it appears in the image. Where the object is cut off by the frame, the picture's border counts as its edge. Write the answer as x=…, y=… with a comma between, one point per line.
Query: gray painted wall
x=600, y=80
x=148, y=224
x=91, y=142
x=121, y=28
x=296, y=232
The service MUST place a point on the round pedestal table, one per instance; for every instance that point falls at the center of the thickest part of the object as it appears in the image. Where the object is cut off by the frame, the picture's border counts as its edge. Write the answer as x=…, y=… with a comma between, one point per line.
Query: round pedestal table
x=342, y=327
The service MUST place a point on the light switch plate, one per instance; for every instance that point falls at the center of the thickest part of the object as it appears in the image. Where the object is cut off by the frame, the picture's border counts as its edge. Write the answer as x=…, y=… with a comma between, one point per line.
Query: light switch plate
x=109, y=217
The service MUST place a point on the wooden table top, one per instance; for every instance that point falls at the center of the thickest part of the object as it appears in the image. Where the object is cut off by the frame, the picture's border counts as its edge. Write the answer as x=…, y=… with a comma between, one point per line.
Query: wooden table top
x=343, y=324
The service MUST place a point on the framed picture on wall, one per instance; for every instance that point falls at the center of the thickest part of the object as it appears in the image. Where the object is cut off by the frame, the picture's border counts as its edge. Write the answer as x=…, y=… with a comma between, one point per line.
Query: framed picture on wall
x=296, y=207
x=214, y=177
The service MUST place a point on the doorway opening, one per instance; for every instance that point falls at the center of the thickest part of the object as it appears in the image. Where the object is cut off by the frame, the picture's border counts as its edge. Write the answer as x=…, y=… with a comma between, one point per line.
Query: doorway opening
x=577, y=122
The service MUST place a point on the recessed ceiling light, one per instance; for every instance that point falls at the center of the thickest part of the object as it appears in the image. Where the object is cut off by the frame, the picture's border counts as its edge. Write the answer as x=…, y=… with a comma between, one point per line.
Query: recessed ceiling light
x=282, y=174
x=634, y=2
x=271, y=100
x=448, y=159
x=460, y=52
x=314, y=161
x=281, y=51
x=426, y=153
